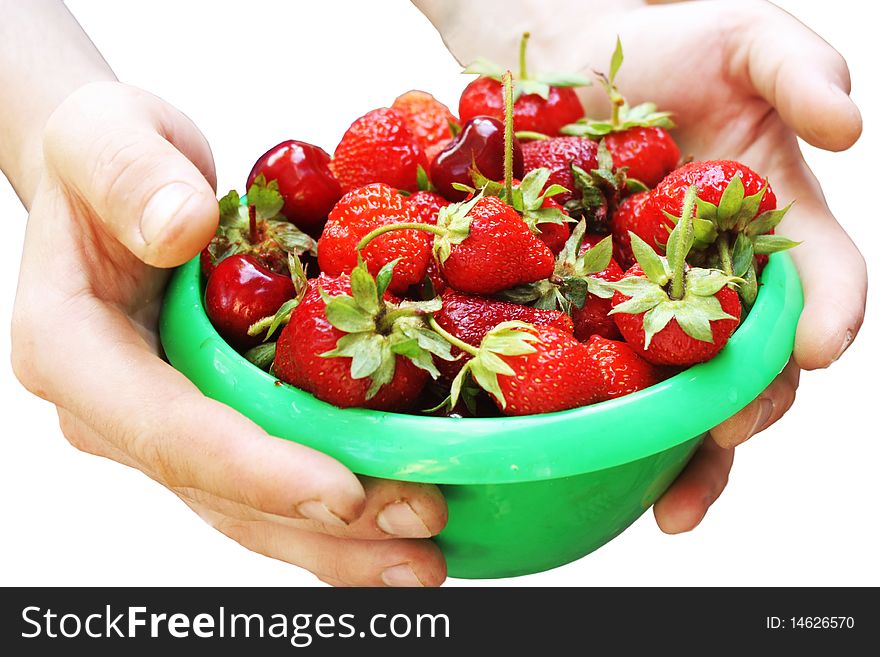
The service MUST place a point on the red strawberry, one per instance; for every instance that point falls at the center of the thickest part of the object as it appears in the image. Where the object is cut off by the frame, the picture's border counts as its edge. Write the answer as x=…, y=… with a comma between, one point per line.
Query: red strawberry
x=378, y=147
x=350, y=344
x=427, y=206
x=557, y=155
x=631, y=216
x=257, y=230
x=487, y=247
x=429, y=121
x=528, y=369
x=304, y=181
x=592, y=318
x=239, y=292
x=552, y=234
x=532, y=112
x=648, y=152
x=361, y=211
x=622, y=371
x=543, y=103
x=671, y=345
x=672, y=314
x=735, y=218
x=637, y=137
x=470, y=318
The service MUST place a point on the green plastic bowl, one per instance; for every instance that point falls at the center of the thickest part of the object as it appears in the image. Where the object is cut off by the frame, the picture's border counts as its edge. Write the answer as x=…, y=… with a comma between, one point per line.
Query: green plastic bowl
x=525, y=494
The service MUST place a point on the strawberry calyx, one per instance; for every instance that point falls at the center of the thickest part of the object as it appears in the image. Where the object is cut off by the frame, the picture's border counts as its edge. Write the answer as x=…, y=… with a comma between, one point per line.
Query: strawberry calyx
x=524, y=83
x=623, y=117
x=254, y=225
x=669, y=289
x=600, y=188
x=513, y=338
x=378, y=330
x=730, y=234
x=572, y=278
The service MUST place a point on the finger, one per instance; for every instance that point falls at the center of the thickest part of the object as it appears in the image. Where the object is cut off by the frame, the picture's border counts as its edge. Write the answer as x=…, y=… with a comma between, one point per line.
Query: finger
x=684, y=505
x=393, y=509
x=140, y=165
x=168, y=429
x=770, y=405
x=349, y=562
x=810, y=91
x=831, y=268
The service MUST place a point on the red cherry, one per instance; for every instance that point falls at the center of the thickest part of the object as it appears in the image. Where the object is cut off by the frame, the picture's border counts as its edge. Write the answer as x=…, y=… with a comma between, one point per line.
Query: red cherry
x=304, y=180
x=480, y=142
x=239, y=292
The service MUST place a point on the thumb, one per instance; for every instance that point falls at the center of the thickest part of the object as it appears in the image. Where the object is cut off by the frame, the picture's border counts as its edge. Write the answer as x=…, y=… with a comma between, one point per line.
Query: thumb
x=140, y=166
x=810, y=90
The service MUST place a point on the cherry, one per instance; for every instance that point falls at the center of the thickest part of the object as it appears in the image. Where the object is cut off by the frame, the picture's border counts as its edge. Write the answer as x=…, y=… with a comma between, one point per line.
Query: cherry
x=304, y=180
x=480, y=142
x=240, y=291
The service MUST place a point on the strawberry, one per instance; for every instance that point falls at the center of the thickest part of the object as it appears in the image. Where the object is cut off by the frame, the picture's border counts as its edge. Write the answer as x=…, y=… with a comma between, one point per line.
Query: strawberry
x=734, y=219
x=239, y=292
x=558, y=154
x=429, y=121
x=361, y=211
x=258, y=230
x=672, y=314
x=470, y=318
x=427, y=206
x=622, y=371
x=631, y=217
x=553, y=234
x=305, y=182
x=592, y=317
x=528, y=369
x=647, y=152
x=485, y=247
x=637, y=137
x=350, y=343
x=543, y=103
x=378, y=147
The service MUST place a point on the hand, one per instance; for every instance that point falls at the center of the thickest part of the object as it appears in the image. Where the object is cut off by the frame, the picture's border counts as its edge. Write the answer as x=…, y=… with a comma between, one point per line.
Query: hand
x=126, y=189
x=743, y=79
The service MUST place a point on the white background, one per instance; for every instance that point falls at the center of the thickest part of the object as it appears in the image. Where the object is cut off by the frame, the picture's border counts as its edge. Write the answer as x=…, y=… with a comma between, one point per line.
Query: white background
x=801, y=504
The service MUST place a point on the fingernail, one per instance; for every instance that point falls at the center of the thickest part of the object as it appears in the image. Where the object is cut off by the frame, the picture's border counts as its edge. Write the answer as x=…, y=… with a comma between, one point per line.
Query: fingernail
x=400, y=575
x=162, y=208
x=318, y=511
x=399, y=519
x=847, y=341
x=765, y=410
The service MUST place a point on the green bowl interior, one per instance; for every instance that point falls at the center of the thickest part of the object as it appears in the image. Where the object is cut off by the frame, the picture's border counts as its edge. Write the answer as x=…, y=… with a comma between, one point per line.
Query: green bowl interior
x=492, y=450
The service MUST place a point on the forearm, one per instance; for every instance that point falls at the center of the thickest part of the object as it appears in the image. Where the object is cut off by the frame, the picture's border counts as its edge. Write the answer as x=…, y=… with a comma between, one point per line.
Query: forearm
x=44, y=56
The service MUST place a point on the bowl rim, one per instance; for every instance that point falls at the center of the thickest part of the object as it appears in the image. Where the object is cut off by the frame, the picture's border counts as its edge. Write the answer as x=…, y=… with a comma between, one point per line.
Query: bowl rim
x=492, y=450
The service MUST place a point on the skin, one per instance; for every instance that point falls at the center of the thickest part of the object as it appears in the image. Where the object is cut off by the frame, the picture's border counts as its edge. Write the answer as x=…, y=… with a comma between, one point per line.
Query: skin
x=120, y=187
x=736, y=93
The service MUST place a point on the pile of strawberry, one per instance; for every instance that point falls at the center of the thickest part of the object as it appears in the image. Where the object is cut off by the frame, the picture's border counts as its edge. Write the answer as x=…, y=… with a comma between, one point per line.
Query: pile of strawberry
x=522, y=259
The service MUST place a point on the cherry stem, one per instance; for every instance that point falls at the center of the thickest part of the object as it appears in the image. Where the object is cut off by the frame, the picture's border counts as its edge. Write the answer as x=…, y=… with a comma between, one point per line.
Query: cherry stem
x=507, y=81
x=381, y=230
x=451, y=339
x=685, y=237
x=523, y=75
x=724, y=253
x=252, y=216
